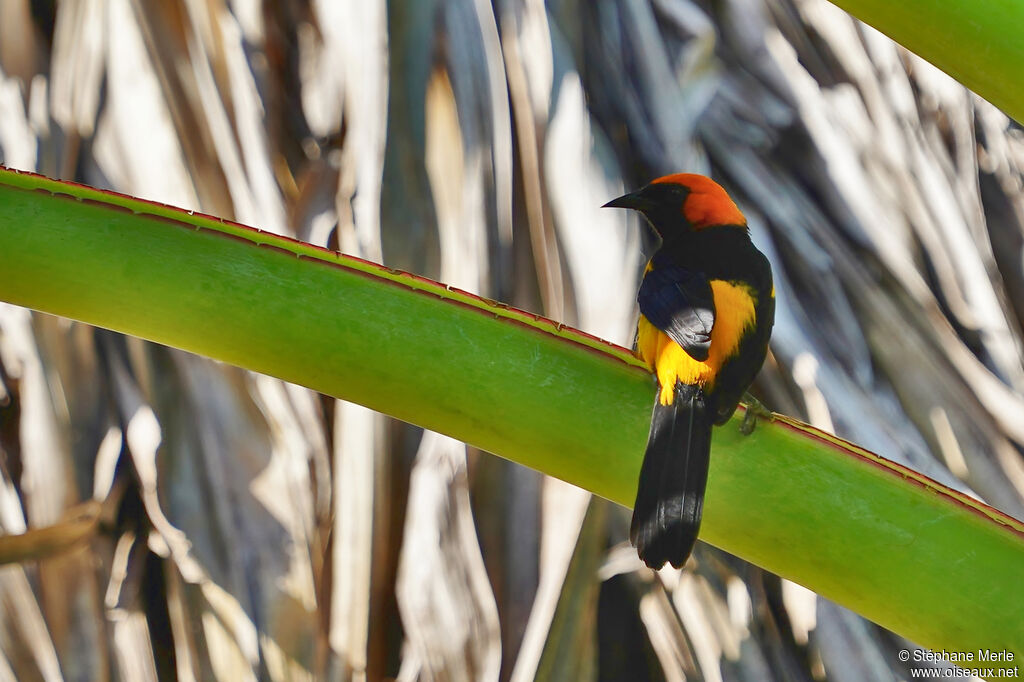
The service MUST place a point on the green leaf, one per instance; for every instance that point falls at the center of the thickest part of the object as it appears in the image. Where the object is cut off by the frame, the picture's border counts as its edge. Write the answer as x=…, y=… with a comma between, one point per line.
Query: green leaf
x=978, y=43
x=924, y=561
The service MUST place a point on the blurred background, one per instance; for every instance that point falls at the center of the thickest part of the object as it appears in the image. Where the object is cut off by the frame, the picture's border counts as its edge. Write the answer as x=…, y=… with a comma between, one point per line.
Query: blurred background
x=241, y=528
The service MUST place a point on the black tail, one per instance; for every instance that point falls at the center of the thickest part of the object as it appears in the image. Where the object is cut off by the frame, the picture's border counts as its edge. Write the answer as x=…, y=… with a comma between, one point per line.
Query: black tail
x=670, y=497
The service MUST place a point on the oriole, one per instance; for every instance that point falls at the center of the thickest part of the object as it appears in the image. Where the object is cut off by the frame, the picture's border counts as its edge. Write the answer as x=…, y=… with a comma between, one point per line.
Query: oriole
x=707, y=305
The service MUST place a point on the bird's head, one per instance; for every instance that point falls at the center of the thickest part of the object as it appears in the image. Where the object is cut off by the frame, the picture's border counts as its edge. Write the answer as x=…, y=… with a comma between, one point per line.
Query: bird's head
x=684, y=202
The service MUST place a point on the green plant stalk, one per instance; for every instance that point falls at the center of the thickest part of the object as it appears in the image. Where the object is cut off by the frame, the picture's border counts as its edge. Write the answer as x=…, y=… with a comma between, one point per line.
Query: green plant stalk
x=917, y=558
x=977, y=42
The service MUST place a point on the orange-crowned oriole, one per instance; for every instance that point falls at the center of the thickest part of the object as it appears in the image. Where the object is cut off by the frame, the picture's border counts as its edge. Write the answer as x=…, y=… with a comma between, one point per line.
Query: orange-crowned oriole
x=707, y=304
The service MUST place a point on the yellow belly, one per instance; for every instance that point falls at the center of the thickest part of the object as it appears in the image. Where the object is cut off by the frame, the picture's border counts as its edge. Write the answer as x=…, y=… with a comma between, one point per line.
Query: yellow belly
x=734, y=314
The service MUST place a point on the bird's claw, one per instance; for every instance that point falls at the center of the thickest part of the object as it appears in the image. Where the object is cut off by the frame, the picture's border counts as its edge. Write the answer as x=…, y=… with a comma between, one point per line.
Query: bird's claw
x=754, y=409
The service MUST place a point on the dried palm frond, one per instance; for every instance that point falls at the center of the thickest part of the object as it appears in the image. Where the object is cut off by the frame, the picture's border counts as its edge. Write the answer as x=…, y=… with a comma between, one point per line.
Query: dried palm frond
x=235, y=527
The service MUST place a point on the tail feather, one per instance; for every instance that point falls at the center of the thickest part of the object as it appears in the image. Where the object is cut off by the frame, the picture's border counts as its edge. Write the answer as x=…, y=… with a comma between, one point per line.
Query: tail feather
x=670, y=496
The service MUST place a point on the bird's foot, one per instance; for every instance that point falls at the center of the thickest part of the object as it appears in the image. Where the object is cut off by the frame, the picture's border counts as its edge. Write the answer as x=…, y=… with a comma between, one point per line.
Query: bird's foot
x=754, y=409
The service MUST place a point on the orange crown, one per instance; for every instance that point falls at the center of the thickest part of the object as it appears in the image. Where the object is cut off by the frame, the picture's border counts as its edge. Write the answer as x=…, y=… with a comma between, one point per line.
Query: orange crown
x=707, y=203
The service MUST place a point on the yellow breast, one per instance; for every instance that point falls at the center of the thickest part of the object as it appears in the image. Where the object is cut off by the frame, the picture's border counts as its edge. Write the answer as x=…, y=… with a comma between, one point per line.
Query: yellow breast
x=734, y=314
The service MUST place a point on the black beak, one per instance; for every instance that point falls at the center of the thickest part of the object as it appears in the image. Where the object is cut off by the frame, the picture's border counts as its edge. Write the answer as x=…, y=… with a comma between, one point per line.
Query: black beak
x=640, y=200
x=635, y=200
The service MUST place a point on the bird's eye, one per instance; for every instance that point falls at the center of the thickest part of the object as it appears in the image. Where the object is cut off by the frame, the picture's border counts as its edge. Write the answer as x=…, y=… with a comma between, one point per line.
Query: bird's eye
x=679, y=194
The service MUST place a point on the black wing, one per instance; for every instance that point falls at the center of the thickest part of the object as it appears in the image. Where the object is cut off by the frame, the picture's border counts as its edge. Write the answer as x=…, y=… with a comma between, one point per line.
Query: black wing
x=679, y=302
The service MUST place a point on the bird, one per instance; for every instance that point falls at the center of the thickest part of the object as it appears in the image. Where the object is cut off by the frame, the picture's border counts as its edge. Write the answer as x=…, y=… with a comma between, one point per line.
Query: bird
x=707, y=306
